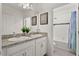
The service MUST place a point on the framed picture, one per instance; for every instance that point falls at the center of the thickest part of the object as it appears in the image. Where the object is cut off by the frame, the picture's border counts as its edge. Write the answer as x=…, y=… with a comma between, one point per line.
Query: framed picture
x=34, y=20
x=44, y=18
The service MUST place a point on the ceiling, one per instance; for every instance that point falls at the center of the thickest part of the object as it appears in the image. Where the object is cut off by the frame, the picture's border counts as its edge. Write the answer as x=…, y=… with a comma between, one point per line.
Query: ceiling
x=36, y=6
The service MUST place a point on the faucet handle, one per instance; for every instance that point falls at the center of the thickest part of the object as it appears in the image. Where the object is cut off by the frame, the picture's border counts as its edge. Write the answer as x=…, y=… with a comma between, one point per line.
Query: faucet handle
x=38, y=30
x=14, y=34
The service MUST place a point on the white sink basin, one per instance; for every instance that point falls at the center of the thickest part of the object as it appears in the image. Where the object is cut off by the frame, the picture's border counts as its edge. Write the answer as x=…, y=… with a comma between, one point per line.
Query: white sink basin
x=19, y=39
x=36, y=35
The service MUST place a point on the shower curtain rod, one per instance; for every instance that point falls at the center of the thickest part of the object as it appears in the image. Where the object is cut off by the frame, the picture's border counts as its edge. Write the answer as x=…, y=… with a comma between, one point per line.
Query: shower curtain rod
x=62, y=24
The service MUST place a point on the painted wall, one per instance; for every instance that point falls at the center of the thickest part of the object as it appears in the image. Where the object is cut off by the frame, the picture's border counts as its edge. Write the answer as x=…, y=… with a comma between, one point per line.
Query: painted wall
x=43, y=28
x=12, y=19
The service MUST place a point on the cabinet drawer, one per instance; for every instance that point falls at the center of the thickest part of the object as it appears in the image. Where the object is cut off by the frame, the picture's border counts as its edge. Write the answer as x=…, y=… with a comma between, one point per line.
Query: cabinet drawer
x=14, y=49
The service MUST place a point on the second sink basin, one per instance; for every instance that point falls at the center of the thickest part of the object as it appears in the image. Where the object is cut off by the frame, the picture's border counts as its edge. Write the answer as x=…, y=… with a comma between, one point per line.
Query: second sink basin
x=19, y=38
x=36, y=35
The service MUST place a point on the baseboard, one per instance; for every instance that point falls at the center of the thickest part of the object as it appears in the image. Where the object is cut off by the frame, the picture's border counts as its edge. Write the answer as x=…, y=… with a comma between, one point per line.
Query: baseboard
x=45, y=55
x=59, y=41
x=64, y=46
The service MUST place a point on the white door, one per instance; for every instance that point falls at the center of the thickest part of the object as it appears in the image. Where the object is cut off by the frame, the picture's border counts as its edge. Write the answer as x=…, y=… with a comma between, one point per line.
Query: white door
x=0, y=28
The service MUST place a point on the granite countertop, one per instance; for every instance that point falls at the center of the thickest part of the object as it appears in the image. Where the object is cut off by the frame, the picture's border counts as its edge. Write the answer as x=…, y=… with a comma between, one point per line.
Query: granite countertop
x=7, y=43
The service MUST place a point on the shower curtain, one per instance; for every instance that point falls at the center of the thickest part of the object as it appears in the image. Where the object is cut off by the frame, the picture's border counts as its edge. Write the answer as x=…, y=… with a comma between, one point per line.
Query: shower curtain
x=72, y=32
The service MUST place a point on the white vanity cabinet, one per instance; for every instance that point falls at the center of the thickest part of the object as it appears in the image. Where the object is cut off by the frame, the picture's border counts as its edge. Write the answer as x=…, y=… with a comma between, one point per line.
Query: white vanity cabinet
x=41, y=46
x=36, y=47
x=22, y=49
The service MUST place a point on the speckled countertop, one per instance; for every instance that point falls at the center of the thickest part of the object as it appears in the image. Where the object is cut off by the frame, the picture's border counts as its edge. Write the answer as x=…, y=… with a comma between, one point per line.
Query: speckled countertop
x=7, y=43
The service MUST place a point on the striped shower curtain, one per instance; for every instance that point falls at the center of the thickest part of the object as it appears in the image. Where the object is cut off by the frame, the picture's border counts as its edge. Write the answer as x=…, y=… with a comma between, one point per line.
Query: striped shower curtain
x=72, y=31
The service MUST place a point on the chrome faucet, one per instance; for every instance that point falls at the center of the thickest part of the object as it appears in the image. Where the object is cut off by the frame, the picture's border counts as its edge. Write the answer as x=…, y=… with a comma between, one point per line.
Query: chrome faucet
x=14, y=35
x=38, y=30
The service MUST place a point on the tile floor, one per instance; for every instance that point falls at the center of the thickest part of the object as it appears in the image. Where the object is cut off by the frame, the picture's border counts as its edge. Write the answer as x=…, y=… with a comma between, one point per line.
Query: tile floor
x=61, y=49
x=62, y=52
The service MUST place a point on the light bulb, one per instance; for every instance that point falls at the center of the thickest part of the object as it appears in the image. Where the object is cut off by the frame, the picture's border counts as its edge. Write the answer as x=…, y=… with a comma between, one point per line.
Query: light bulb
x=27, y=4
x=24, y=6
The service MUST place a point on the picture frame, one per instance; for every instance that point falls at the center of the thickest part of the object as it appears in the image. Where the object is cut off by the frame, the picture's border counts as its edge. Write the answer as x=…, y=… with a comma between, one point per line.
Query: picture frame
x=44, y=18
x=34, y=20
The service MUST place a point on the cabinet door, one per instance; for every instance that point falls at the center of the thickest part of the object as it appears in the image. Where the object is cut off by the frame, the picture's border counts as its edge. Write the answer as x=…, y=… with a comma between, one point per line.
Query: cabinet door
x=38, y=48
x=30, y=51
x=20, y=53
x=41, y=46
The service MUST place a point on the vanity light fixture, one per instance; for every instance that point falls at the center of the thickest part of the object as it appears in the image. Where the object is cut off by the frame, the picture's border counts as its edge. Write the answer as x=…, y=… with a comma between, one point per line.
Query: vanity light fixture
x=25, y=5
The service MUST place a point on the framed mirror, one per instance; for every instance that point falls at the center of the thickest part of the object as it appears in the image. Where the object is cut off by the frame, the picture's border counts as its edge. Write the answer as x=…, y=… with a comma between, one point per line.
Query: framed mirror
x=44, y=18
x=34, y=20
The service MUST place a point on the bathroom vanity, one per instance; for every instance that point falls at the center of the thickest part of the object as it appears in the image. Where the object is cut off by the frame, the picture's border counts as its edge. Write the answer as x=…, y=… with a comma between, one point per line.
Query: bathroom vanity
x=35, y=45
